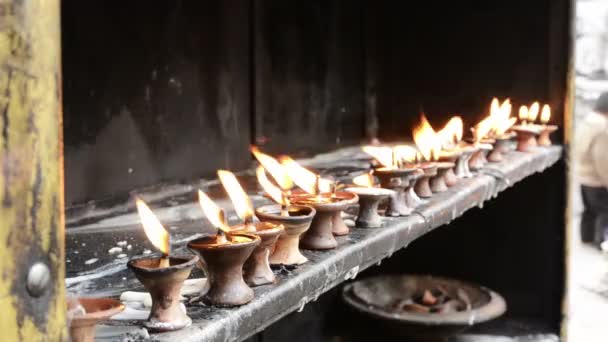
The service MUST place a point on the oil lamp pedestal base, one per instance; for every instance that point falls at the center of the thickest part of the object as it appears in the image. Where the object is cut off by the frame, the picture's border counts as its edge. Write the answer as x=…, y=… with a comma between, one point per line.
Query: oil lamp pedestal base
x=479, y=159
x=423, y=187
x=82, y=327
x=437, y=183
x=501, y=146
x=286, y=249
x=338, y=227
x=462, y=164
x=526, y=138
x=544, y=138
x=164, y=285
x=411, y=198
x=329, y=207
x=450, y=178
x=256, y=270
x=397, y=205
x=320, y=235
x=400, y=181
x=369, y=200
x=223, y=265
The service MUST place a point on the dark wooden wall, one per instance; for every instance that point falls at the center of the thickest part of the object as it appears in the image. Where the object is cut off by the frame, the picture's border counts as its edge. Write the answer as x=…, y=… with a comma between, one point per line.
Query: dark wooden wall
x=173, y=90
x=153, y=92
x=309, y=78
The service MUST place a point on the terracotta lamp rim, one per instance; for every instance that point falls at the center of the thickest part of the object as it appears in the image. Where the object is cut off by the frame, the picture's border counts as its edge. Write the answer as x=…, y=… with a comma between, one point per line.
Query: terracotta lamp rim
x=177, y=262
x=526, y=129
x=396, y=172
x=273, y=211
x=342, y=201
x=370, y=192
x=204, y=242
x=268, y=229
x=107, y=308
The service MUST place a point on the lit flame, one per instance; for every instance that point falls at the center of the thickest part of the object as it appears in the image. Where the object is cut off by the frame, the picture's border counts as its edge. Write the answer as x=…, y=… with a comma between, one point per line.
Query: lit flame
x=545, y=114
x=523, y=113
x=156, y=233
x=427, y=140
x=501, y=118
x=405, y=153
x=482, y=129
x=365, y=180
x=273, y=167
x=391, y=157
x=533, y=113
x=214, y=214
x=240, y=200
x=274, y=192
x=451, y=133
x=304, y=178
x=383, y=154
x=494, y=106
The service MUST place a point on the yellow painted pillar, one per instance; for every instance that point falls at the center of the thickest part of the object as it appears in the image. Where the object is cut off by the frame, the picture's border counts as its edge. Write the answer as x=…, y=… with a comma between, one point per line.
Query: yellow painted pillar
x=32, y=295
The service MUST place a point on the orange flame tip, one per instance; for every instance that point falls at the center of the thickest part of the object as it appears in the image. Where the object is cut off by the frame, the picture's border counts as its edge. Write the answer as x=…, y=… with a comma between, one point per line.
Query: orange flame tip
x=238, y=197
x=427, y=141
x=545, y=114
x=273, y=167
x=156, y=233
x=303, y=177
x=214, y=214
x=274, y=192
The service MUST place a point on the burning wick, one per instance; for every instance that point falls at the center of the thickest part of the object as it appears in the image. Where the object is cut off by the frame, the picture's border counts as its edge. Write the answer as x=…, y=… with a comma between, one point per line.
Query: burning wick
x=365, y=180
x=523, y=115
x=545, y=115
x=277, y=195
x=238, y=197
x=156, y=233
x=215, y=215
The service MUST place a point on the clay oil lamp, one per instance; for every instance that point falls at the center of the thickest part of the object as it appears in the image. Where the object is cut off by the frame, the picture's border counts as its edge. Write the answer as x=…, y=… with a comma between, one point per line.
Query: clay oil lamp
x=429, y=145
x=527, y=131
x=86, y=313
x=450, y=136
x=257, y=267
x=295, y=220
x=480, y=158
x=501, y=122
x=222, y=258
x=450, y=156
x=328, y=203
x=395, y=175
x=546, y=129
x=163, y=276
x=484, y=144
x=370, y=197
x=438, y=182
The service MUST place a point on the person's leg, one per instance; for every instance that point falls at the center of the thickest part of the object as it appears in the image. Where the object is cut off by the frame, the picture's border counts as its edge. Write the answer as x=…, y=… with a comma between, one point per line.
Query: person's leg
x=597, y=199
x=587, y=224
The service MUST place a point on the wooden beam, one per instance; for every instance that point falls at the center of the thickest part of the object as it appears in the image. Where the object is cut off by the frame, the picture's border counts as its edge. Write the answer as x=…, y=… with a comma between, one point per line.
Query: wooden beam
x=32, y=299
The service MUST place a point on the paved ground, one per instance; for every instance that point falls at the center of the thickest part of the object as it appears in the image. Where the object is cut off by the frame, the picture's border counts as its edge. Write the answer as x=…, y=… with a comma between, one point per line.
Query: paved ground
x=588, y=297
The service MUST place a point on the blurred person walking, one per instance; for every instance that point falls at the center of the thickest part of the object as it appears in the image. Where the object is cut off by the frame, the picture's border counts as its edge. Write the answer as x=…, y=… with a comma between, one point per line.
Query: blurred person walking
x=591, y=156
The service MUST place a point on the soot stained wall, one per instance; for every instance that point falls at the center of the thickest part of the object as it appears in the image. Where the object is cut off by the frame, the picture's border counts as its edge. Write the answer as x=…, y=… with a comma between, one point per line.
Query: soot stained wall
x=153, y=91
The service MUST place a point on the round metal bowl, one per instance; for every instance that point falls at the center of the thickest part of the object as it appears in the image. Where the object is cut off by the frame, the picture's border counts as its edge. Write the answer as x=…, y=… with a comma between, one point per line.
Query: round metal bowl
x=375, y=296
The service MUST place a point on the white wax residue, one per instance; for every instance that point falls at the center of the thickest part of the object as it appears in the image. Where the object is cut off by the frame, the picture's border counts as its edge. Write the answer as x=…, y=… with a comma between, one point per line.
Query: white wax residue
x=122, y=255
x=146, y=251
x=121, y=243
x=91, y=261
x=114, y=250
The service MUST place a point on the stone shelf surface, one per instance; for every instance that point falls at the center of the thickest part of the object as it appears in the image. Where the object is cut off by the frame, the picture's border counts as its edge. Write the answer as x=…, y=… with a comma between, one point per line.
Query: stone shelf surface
x=295, y=288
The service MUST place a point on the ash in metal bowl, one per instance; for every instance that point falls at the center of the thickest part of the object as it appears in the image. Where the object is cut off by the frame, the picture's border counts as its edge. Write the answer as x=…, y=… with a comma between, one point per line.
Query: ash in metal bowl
x=425, y=307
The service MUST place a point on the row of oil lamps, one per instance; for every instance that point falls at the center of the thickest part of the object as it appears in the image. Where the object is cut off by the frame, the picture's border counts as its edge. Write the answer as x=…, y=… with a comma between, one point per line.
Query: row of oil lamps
x=239, y=257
